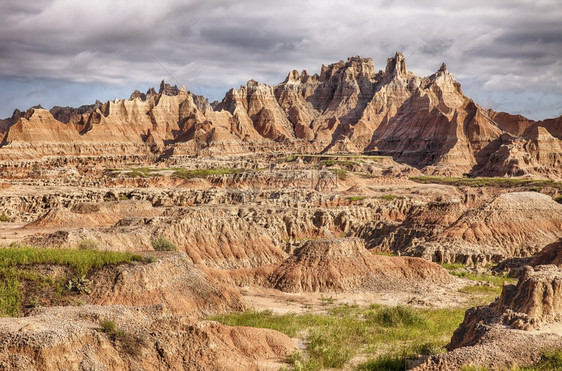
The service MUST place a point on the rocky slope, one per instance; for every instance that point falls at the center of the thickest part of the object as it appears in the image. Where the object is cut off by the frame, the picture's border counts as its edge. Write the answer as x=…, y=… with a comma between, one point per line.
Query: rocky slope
x=514, y=224
x=524, y=321
x=71, y=338
x=344, y=265
x=426, y=122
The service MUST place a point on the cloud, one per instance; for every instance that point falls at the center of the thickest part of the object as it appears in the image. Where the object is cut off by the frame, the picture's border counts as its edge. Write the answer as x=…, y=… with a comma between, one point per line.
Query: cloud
x=212, y=45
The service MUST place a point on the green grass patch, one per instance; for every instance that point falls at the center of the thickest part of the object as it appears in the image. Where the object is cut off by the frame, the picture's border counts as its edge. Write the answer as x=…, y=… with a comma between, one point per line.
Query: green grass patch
x=348, y=330
x=80, y=260
x=356, y=198
x=487, y=182
x=550, y=360
x=483, y=294
x=20, y=281
x=389, y=197
x=385, y=363
x=452, y=266
x=203, y=173
x=163, y=244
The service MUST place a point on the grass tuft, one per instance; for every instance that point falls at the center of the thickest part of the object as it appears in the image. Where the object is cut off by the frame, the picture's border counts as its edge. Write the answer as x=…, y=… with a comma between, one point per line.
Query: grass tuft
x=385, y=363
x=346, y=330
x=163, y=244
x=15, y=272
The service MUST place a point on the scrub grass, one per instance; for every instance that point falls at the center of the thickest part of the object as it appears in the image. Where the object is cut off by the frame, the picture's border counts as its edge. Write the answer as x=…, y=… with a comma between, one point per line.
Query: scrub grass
x=487, y=182
x=21, y=284
x=345, y=331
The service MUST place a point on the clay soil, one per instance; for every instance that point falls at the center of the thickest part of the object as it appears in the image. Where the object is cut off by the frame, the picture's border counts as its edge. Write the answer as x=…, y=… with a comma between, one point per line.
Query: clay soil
x=277, y=234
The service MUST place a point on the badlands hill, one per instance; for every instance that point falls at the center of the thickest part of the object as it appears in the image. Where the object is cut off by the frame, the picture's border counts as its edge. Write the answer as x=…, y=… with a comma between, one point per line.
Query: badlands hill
x=425, y=122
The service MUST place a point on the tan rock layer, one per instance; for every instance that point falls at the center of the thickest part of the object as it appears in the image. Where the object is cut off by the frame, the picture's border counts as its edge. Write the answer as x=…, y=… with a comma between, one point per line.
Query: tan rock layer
x=425, y=122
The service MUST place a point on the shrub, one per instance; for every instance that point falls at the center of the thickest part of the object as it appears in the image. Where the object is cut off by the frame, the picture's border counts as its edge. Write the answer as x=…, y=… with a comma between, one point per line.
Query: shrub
x=385, y=363
x=163, y=244
x=4, y=218
x=395, y=316
x=88, y=244
x=80, y=285
x=558, y=199
x=110, y=328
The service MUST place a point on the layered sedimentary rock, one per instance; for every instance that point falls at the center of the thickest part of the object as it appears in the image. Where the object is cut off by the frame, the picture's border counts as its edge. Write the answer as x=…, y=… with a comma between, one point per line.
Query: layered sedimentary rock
x=71, y=338
x=343, y=265
x=170, y=282
x=491, y=336
x=515, y=224
x=426, y=122
x=550, y=254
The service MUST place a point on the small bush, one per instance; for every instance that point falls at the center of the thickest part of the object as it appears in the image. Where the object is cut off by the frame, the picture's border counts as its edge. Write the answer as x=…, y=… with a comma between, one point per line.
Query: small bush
x=163, y=244
x=110, y=328
x=396, y=316
x=385, y=363
x=558, y=199
x=80, y=285
x=4, y=218
x=88, y=244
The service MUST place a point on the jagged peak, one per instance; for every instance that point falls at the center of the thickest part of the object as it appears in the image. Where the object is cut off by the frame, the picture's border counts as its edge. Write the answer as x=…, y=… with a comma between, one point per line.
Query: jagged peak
x=295, y=77
x=396, y=66
x=365, y=66
x=167, y=89
x=443, y=68
x=137, y=94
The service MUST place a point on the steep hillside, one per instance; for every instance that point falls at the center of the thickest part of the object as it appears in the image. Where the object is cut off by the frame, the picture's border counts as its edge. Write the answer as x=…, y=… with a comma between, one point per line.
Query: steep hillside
x=425, y=122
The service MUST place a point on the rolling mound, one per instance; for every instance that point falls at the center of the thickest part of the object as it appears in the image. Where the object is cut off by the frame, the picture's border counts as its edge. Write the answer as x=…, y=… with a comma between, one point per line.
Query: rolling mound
x=70, y=338
x=345, y=265
x=171, y=281
x=515, y=224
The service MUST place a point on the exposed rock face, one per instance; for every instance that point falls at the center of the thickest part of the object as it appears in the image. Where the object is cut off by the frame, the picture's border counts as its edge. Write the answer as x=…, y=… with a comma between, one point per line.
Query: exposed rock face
x=491, y=336
x=67, y=338
x=171, y=282
x=349, y=107
x=339, y=265
x=550, y=254
x=94, y=214
x=513, y=225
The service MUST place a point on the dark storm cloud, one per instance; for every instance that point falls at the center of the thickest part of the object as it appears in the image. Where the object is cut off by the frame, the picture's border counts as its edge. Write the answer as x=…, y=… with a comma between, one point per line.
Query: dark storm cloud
x=504, y=47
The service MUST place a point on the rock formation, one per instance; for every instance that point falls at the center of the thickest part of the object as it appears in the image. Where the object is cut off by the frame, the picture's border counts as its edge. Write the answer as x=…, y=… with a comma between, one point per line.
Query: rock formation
x=425, y=122
x=71, y=338
x=170, y=282
x=515, y=224
x=344, y=265
x=550, y=254
x=492, y=336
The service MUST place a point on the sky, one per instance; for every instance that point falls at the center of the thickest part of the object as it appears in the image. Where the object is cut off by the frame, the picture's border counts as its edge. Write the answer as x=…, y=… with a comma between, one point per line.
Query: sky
x=507, y=54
